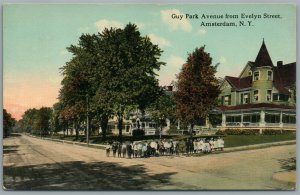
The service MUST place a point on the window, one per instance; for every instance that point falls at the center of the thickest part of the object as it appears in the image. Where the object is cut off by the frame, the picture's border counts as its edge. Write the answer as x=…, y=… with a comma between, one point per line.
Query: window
x=249, y=73
x=270, y=75
x=272, y=118
x=232, y=119
x=255, y=96
x=256, y=76
x=269, y=95
x=245, y=98
x=127, y=128
x=251, y=118
x=227, y=100
x=280, y=97
x=289, y=119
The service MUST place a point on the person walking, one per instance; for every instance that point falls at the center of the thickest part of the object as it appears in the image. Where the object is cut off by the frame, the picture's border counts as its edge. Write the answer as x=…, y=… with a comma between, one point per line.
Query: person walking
x=119, y=150
x=107, y=149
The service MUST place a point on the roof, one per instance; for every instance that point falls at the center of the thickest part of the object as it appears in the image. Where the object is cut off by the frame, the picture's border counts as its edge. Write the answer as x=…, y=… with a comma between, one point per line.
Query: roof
x=260, y=105
x=284, y=77
x=263, y=58
x=239, y=83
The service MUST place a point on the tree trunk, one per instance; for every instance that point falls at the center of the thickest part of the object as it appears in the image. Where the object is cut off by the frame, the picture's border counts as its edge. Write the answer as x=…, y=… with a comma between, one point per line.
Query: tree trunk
x=120, y=124
x=161, y=129
x=104, y=123
x=77, y=130
x=192, y=129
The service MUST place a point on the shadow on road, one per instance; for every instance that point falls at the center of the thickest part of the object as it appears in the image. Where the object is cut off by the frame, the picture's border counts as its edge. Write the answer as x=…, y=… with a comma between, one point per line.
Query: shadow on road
x=78, y=175
x=10, y=149
x=288, y=164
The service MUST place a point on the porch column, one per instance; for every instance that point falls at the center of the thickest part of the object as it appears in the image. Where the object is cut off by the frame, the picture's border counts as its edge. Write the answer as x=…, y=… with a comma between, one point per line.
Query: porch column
x=242, y=120
x=223, y=119
x=280, y=122
x=262, y=120
x=178, y=125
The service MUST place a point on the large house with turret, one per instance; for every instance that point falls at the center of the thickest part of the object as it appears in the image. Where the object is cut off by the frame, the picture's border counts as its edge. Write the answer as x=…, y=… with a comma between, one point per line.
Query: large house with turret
x=261, y=97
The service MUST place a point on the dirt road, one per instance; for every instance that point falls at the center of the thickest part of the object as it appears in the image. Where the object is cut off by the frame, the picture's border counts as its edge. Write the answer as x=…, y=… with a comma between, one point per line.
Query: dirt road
x=34, y=164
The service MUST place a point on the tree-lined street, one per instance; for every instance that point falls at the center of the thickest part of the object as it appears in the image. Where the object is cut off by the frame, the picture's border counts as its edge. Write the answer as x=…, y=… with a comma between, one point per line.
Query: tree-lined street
x=31, y=163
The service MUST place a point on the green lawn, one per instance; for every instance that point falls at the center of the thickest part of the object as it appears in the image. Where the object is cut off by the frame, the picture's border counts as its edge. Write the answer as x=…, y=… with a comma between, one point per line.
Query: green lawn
x=230, y=140
x=243, y=140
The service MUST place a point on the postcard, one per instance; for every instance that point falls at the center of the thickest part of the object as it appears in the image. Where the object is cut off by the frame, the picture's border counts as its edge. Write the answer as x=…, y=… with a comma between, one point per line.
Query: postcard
x=149, y=97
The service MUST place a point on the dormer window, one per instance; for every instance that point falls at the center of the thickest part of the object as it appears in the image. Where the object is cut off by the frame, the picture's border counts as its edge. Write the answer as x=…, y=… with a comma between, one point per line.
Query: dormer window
x=270, y=75
x=256, y=76
x=227, y=100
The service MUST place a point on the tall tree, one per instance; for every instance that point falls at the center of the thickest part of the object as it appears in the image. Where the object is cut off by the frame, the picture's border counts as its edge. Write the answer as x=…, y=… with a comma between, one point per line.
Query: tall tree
x=197, y=88
x=116, y=69
x=130, y=78
x=8, y=123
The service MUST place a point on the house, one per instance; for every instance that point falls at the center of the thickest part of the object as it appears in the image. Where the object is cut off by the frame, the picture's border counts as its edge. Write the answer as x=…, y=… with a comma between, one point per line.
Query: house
x=137, y=120
x=261, y=97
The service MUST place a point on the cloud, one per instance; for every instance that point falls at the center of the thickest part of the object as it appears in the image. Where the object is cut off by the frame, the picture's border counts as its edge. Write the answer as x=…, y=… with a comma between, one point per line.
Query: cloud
x=173, y=66
x=102, y=24
x=175, y=24
x=201, y=32
x=140, y=25
x=222, y=60
x=175, y=61
x=162, y=42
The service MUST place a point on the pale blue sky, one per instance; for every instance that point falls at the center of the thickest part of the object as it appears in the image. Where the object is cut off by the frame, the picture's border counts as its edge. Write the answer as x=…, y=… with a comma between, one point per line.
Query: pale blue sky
x=35, y=38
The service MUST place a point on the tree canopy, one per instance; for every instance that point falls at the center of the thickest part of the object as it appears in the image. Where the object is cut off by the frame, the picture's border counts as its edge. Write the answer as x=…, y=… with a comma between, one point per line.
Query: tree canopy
x=197, y=87
x=37, y=121
x=8, y=123
x=115, y=69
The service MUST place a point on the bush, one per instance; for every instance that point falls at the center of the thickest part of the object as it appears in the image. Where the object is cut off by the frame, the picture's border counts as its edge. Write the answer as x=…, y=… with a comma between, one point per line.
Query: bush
x=238, y=132
x=137, y=133
x=275, y=132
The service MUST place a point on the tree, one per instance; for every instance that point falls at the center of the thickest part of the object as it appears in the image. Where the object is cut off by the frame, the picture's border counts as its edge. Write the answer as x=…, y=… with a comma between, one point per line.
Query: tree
x=116, y=69
x=8, y=123
x=197, y=88
x=28, y=121
x=37, y=121
x=43, y=120
x=129, y=77
x=162, y=109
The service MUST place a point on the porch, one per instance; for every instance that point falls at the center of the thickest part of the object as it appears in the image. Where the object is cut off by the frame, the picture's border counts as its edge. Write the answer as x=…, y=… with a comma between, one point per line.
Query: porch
x=259, y=119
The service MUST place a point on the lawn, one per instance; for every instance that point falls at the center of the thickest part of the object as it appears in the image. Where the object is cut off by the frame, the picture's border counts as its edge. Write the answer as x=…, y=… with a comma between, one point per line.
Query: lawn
x=243, y=140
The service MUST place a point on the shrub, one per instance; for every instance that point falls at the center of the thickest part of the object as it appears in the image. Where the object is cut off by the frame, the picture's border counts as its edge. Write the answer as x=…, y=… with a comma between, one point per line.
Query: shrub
x=137, y=133
x=275, y=132
x=238, y=132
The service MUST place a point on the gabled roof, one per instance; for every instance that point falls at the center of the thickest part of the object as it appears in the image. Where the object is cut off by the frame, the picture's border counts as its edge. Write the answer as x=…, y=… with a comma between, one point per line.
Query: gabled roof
x=284, y=77
x=263, y=58
x=239, y=83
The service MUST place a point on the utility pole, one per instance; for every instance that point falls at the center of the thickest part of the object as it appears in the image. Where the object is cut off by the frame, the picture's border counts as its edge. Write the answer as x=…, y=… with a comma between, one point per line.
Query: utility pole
x=87, y=119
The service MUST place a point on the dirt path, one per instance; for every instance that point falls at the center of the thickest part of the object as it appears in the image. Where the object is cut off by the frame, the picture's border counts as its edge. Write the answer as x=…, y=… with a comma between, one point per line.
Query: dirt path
x=35, y=164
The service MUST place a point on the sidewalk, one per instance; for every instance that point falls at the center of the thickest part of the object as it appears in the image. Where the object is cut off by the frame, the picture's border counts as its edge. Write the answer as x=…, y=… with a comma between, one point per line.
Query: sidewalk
x=259, y=146
x=231, y=149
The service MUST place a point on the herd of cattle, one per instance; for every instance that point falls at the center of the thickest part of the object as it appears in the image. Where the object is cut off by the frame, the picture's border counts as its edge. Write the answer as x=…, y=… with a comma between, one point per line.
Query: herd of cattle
x=142, y=149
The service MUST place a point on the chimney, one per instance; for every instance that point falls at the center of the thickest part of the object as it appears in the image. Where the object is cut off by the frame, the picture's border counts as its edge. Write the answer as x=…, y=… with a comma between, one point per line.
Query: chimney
x=279, y=63
x=170, y=88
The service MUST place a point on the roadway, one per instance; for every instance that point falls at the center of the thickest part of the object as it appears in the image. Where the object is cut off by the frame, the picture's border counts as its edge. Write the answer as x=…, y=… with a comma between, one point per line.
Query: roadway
x=35, y=164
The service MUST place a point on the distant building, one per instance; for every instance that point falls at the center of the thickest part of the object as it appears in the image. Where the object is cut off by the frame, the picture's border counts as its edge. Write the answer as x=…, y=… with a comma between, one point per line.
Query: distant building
x=137, y=120
x=261, y=96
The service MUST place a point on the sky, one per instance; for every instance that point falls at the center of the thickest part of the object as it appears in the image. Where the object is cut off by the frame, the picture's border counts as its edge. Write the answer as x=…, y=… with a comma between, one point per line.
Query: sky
x=35, y=38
